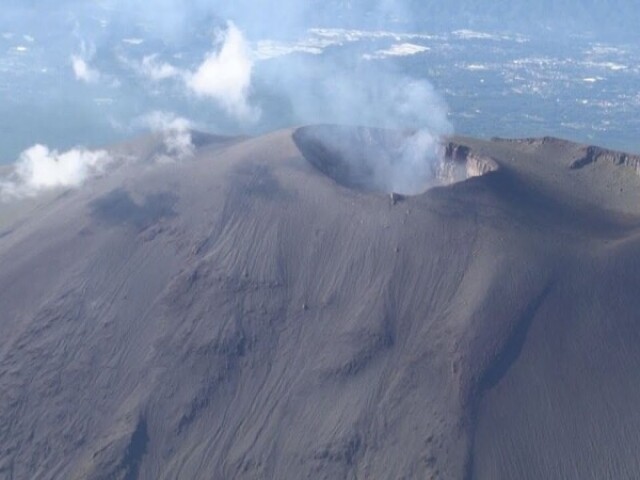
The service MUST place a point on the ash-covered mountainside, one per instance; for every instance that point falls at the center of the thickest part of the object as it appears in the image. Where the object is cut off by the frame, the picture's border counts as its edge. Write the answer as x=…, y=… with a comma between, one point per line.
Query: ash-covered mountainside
x=267, y=310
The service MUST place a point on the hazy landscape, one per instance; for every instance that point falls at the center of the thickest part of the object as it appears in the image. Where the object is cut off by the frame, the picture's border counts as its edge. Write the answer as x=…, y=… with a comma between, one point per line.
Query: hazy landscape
x=90, y=74
x=331, y=240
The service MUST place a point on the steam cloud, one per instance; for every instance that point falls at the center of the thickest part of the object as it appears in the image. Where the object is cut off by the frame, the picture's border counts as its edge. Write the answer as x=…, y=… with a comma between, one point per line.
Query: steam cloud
x=83, y=71
x=377, y=159
x=157, y=71
x=262, y=84
x=39, y=169
x=420, y=164
x=80, y=65
x=176, y=135
x=225, y=75
x=257, y=74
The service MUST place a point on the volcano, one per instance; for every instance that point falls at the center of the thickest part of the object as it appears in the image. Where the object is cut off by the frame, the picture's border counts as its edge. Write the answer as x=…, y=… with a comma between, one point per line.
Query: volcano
x=270, y=309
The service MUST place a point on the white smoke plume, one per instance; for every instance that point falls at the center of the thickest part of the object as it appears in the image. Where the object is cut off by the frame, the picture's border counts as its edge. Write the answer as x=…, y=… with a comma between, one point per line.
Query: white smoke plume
x=80, y=64
x=263, y=89
x=83, y=71
x=382, y=160
x=226, y=75
x=176, y=135
x=40, y=169
x=422, y=164
x=156, y=70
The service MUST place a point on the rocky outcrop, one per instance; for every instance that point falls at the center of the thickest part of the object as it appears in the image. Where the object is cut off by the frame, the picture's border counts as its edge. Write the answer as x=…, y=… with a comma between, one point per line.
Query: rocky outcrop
x=593, y=154
x=475, y=164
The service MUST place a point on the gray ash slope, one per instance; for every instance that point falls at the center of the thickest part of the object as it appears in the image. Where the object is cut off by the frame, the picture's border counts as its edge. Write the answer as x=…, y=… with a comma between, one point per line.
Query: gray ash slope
x=243, y=315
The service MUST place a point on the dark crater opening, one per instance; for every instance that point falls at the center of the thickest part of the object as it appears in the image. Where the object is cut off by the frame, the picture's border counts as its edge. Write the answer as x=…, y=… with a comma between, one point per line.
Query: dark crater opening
x=379, y=160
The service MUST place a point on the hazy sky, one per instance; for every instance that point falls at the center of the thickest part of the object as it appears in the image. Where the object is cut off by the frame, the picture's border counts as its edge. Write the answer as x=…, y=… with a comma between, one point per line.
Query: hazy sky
x=79, y=72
